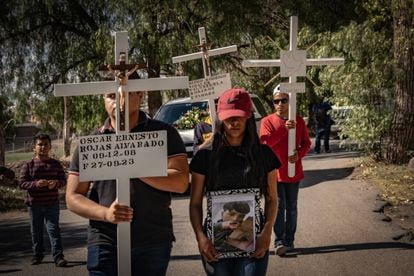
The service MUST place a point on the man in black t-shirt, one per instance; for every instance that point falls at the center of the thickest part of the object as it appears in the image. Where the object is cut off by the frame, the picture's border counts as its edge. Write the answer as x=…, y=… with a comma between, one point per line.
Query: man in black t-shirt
x=149, y=213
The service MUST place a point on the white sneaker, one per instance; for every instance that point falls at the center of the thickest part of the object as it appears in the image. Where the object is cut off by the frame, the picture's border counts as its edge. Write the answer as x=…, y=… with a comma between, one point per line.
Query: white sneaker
x=280, y=249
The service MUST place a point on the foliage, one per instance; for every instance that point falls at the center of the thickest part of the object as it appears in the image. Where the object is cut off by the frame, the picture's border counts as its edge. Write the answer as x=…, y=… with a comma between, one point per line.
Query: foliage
x=365, y=82
x=11, y=198
x=191, y=118
x=45, y=42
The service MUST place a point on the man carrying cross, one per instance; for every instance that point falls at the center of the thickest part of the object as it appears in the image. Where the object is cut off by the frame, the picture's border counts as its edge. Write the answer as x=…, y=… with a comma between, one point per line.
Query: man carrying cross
x=274, y=132
x=149, y=214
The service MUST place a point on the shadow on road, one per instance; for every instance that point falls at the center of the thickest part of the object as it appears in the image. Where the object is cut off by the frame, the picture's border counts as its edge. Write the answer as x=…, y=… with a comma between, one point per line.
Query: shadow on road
x=335, y=155
x=350, y=247
x=16, y=244
x=185, y=257
x=3, y=271
x=314, y=177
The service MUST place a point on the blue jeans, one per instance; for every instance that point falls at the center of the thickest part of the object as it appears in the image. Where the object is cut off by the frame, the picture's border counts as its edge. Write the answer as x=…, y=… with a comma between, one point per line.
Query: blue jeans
x=48, y=215
x=287, y=213
x=322, y=134
x=238, y=266
x=147, y=260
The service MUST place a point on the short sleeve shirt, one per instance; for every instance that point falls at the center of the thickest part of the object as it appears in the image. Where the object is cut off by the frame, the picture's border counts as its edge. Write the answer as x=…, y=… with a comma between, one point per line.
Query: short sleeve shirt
x=152, y=221
x=233, y=166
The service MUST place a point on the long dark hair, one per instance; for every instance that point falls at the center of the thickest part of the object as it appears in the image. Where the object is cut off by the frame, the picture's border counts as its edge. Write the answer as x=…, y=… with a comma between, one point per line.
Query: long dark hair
x=250, y=148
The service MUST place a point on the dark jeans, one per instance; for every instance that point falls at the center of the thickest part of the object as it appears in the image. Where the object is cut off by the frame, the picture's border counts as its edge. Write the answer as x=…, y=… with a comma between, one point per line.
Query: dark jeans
x=322, y=134
x=237, y=266
x=48, y=215
x=147, y=260
x=287, y=213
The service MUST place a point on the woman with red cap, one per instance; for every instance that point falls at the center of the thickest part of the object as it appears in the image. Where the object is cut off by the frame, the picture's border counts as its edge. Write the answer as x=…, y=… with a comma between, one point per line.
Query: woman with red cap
x=234, y=159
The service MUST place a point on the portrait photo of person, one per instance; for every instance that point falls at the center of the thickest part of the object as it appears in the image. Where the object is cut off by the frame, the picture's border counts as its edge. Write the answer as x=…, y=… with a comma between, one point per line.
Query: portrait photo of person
x=233, y=223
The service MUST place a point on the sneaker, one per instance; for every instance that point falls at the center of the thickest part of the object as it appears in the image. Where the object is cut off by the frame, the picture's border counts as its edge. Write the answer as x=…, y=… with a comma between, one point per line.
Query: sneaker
x=36, y=260
x=290, y=247
x=280, y=249
x=60, y=262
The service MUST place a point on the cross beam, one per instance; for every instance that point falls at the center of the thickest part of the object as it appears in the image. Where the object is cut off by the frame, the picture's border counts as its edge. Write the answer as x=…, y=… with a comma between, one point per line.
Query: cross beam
x=205, y=55
x=96, y=88
x=292, y=64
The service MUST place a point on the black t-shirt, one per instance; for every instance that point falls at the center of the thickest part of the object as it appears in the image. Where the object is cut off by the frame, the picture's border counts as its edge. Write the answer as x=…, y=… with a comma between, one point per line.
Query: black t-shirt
x=152, y=221
x=233, y=166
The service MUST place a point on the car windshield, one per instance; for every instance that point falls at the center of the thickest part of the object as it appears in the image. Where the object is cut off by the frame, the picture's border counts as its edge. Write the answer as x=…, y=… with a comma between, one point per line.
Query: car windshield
x=170, y=113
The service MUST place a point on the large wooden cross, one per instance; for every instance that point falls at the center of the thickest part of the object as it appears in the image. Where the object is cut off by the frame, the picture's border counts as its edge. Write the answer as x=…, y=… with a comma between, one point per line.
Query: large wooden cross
x=292, y=64
x=122, y=156
x=210, y=87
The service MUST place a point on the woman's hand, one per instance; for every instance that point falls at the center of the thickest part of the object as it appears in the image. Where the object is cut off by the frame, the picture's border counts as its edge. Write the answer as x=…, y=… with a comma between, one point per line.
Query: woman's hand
x=262, y=245
x=207, y=250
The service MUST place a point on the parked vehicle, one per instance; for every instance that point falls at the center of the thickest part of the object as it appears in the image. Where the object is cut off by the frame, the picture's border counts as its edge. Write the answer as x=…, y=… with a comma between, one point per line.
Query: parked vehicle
x=171, y=112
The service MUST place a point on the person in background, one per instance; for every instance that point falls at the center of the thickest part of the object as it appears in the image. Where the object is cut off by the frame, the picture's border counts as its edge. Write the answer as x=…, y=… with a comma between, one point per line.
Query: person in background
x=322, y=125
x=202, y=132
x=234, y=159
x=41, y=178
x=274, y=133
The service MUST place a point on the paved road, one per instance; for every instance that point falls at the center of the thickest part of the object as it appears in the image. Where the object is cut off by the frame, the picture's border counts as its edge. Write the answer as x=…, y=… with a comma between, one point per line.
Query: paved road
x=338, y=234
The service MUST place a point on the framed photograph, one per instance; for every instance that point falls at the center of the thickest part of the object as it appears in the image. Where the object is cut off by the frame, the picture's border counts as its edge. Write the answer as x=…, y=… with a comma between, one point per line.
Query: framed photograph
x=233, y=221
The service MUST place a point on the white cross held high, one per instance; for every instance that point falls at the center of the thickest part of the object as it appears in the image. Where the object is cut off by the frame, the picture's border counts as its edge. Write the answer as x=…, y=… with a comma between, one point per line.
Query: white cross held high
x=98, y=157
x=292, y=64
x=210, y=87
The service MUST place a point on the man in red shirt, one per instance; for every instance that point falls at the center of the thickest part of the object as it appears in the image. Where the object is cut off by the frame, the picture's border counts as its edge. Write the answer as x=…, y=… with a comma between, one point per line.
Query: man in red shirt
x=274, y=132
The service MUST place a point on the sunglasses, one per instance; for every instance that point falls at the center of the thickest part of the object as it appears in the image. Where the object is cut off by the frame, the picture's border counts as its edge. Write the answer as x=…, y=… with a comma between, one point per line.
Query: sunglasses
x=278, y=101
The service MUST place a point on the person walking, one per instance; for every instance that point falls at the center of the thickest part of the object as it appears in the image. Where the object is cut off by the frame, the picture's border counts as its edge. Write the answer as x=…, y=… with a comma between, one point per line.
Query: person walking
x=234, y=159
x=150, y=214
x=274, y=133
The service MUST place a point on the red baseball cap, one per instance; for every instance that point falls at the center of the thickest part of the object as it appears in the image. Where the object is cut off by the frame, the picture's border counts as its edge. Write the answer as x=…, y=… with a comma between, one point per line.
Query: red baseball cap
x=234, y=102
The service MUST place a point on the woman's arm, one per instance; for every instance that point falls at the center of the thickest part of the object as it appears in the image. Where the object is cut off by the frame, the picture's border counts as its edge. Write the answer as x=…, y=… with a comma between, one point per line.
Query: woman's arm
x=263, y=239
x=205, y=246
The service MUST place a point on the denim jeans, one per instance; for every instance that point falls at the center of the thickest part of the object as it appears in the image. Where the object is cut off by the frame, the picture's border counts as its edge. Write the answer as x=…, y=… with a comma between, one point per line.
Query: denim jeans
x=237, y=266
x=146, y=260
x=49, y=215
x=287, y=213
x=322, y=134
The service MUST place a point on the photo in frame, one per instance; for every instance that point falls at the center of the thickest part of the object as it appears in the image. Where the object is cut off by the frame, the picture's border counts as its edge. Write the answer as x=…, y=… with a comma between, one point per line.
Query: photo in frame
x=233, y=221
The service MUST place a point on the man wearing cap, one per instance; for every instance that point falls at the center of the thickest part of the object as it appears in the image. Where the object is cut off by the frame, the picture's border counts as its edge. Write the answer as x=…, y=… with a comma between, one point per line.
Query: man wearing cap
x=274, y=132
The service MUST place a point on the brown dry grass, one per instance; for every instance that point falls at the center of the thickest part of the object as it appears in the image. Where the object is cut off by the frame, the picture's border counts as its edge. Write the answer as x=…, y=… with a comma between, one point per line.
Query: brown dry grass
x=396, y=182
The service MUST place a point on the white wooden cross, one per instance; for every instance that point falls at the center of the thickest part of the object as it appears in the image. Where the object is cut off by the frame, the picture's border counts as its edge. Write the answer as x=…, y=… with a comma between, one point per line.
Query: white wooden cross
x=210, y=87
x=123, y=155
x=292, y=64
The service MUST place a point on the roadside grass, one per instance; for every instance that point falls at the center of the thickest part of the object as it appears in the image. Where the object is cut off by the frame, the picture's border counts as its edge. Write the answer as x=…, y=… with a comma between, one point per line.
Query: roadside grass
x=396, y=182
x=11, y=198
x=56, y=152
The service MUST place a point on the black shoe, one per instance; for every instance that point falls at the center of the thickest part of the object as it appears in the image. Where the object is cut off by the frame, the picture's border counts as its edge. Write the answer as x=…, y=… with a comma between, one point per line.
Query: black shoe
x=36, y=260
x=61, y=262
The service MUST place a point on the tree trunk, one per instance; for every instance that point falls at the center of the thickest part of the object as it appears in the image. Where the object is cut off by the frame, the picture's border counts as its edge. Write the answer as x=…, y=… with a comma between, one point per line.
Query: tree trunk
x=67, y=141
x=2, y=147
x=402, y=126
x=154, y=97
